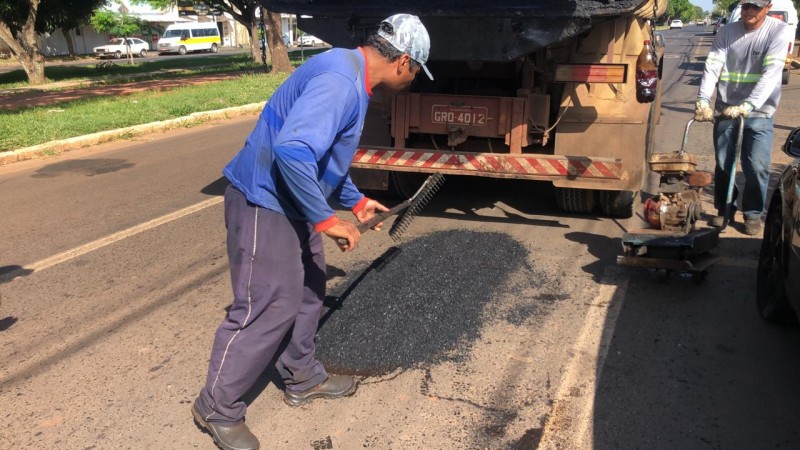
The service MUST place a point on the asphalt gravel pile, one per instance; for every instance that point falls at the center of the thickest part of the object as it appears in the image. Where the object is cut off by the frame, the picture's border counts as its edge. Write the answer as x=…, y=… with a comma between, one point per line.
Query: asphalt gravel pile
x=420, y=304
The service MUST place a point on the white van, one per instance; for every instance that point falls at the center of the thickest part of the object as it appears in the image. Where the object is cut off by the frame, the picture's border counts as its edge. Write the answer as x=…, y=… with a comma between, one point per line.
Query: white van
x=785, y=11
x=190, y=37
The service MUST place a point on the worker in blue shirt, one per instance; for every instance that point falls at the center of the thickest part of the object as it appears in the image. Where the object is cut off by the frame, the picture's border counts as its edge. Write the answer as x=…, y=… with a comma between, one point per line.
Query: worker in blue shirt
x=276, y=211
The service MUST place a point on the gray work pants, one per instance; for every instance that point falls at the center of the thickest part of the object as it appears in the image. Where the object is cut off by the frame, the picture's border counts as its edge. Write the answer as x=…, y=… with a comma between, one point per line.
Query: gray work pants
x=278, y=277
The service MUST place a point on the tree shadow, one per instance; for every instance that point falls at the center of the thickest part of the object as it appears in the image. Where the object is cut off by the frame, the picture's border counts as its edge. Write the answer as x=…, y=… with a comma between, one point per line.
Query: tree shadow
x=87, y=167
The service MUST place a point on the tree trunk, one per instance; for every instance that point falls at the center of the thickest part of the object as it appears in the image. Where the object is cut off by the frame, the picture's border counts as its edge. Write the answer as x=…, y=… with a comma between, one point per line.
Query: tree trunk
x=128, y=50
x=25, y=46
x=280, y=56
x=70, y=43
x=254, y=50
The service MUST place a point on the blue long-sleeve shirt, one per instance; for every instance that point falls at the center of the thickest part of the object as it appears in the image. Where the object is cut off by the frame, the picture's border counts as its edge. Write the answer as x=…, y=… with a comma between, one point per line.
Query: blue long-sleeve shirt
x=300, y=151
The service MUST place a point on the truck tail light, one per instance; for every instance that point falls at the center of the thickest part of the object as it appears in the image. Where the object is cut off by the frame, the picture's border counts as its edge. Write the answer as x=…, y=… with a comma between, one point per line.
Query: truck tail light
x=591, y=73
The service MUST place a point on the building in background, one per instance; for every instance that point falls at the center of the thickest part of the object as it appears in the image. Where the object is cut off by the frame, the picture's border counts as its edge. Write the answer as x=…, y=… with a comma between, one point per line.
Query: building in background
x=232, y=33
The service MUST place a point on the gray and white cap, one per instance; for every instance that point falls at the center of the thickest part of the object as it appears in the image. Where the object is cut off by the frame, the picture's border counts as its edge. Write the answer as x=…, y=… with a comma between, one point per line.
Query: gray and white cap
x=759, y=3
x=407, y=34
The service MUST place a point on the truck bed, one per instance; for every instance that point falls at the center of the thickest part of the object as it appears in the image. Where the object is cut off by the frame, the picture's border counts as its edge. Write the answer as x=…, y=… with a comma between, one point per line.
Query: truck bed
x=461, y=30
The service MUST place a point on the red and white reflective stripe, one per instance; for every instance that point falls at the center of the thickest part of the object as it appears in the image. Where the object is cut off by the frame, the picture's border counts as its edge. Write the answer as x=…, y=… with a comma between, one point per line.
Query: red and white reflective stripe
x=491, y=163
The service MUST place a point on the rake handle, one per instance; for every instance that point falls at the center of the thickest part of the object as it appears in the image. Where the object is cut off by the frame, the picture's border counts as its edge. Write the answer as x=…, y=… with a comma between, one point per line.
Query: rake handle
x=378, y=218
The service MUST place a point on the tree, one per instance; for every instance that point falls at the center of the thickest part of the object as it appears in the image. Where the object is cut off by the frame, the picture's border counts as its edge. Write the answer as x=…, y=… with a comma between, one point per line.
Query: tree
x=119, y=23
x=21, y=22
x=680, y=9
x=246, y=12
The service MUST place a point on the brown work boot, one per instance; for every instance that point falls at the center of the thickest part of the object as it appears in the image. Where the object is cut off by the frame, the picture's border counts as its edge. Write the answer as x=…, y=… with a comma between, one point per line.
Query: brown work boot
x=335, y=386
x=752, y=226
x=719, y=220
x=227, y=437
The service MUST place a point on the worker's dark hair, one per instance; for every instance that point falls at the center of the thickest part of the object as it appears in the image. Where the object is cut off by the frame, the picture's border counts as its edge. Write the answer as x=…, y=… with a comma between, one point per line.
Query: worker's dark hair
x=387, y=50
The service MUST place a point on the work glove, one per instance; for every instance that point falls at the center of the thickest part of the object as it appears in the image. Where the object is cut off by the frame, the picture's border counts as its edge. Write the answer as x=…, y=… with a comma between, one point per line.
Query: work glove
x=702, y=111
x=733, y=112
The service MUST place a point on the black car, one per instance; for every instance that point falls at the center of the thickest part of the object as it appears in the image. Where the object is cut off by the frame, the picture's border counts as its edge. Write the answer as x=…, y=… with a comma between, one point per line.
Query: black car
x=778, y=279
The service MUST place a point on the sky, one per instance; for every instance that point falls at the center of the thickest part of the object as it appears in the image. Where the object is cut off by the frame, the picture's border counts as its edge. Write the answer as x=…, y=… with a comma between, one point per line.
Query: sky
x=705, y=4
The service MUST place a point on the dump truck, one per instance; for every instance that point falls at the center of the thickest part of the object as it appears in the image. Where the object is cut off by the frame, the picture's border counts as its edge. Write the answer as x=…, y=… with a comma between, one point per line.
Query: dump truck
x=532, y=90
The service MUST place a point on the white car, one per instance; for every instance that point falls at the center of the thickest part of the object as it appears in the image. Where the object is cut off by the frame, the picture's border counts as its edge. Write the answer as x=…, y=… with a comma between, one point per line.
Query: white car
x=308, y=40
x=677, y=23
x=116, y=48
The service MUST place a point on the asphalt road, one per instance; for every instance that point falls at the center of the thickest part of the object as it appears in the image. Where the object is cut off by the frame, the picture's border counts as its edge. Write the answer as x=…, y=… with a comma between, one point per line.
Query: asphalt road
x=121, y=280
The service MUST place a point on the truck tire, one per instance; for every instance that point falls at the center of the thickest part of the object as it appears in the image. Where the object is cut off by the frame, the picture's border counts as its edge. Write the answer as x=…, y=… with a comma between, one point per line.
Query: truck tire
x=403, y=185
x=117, y=54
x=576, y=201
x=617, y=204
x=182, y=50
x=785, y=77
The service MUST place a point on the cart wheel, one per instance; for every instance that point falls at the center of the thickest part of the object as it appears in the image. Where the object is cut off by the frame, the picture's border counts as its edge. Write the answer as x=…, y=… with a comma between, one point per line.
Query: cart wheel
x=662, y=275
x=699, y=277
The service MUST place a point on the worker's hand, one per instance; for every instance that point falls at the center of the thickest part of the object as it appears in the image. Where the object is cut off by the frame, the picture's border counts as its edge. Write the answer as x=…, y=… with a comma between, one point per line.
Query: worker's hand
x=702, y=111
x=734, y=112
x=368, y=212
x=344, y=230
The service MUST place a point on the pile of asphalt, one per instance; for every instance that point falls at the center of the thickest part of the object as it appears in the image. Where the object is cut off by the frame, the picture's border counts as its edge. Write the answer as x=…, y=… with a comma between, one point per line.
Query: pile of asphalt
x=420, y=304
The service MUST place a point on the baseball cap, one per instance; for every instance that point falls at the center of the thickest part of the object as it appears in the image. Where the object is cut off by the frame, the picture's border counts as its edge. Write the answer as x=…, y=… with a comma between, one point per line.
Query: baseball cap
x=759, y=3
x=407, y=33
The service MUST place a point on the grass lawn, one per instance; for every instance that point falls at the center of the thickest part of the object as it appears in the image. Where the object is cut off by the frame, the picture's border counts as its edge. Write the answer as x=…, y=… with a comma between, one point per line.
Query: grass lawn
x=37, y=125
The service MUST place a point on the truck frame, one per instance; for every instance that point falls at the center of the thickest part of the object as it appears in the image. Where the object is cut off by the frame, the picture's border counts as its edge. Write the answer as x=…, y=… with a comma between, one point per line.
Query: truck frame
x=536, y=90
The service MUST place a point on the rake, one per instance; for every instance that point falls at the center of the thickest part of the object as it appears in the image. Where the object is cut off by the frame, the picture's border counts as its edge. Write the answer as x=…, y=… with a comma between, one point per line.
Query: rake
x=406, y=211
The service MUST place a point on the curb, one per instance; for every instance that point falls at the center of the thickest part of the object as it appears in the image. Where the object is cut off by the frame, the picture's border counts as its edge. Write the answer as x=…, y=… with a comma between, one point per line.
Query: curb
x=57, y=147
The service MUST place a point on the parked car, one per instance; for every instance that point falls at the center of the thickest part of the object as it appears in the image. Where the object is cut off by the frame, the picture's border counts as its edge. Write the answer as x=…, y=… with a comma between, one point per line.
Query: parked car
x=676, y=23
x=308, y=40
x=116, y=48
x=284, y=36
x=778, y=273
x=720, y=23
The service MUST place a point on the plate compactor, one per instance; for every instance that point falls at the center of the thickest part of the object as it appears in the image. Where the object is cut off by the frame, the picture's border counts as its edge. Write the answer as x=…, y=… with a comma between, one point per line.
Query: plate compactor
x=673, y=242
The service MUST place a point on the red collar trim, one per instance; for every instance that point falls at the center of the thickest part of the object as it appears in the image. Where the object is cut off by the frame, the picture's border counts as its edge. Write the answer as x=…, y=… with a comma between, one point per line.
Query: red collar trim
x=366, y=72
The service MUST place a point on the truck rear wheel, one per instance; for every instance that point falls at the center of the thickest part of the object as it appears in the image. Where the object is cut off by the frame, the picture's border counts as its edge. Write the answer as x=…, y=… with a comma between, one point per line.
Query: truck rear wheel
x=576, y=201
x=403, y=185
x=617, y=203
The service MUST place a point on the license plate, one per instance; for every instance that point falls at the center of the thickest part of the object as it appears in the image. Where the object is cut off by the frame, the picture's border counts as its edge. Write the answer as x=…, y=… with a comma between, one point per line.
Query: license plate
x=460, y=115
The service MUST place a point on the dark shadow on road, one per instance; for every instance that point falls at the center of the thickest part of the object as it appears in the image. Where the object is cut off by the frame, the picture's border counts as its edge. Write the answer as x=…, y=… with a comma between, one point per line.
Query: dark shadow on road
x=605, y=249
x=693, y=366
x=8, y=273
x=466, y=198
x=7, y=322
x=217, y=187
x=87, y=167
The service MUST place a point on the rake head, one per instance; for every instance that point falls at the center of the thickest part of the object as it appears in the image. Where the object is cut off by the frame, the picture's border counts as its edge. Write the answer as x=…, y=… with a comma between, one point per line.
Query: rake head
x=417, y=202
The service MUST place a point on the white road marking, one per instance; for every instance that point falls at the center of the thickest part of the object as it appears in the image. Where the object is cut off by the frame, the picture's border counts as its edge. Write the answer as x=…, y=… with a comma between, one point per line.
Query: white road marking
x=570, y=423
x=110, y=239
